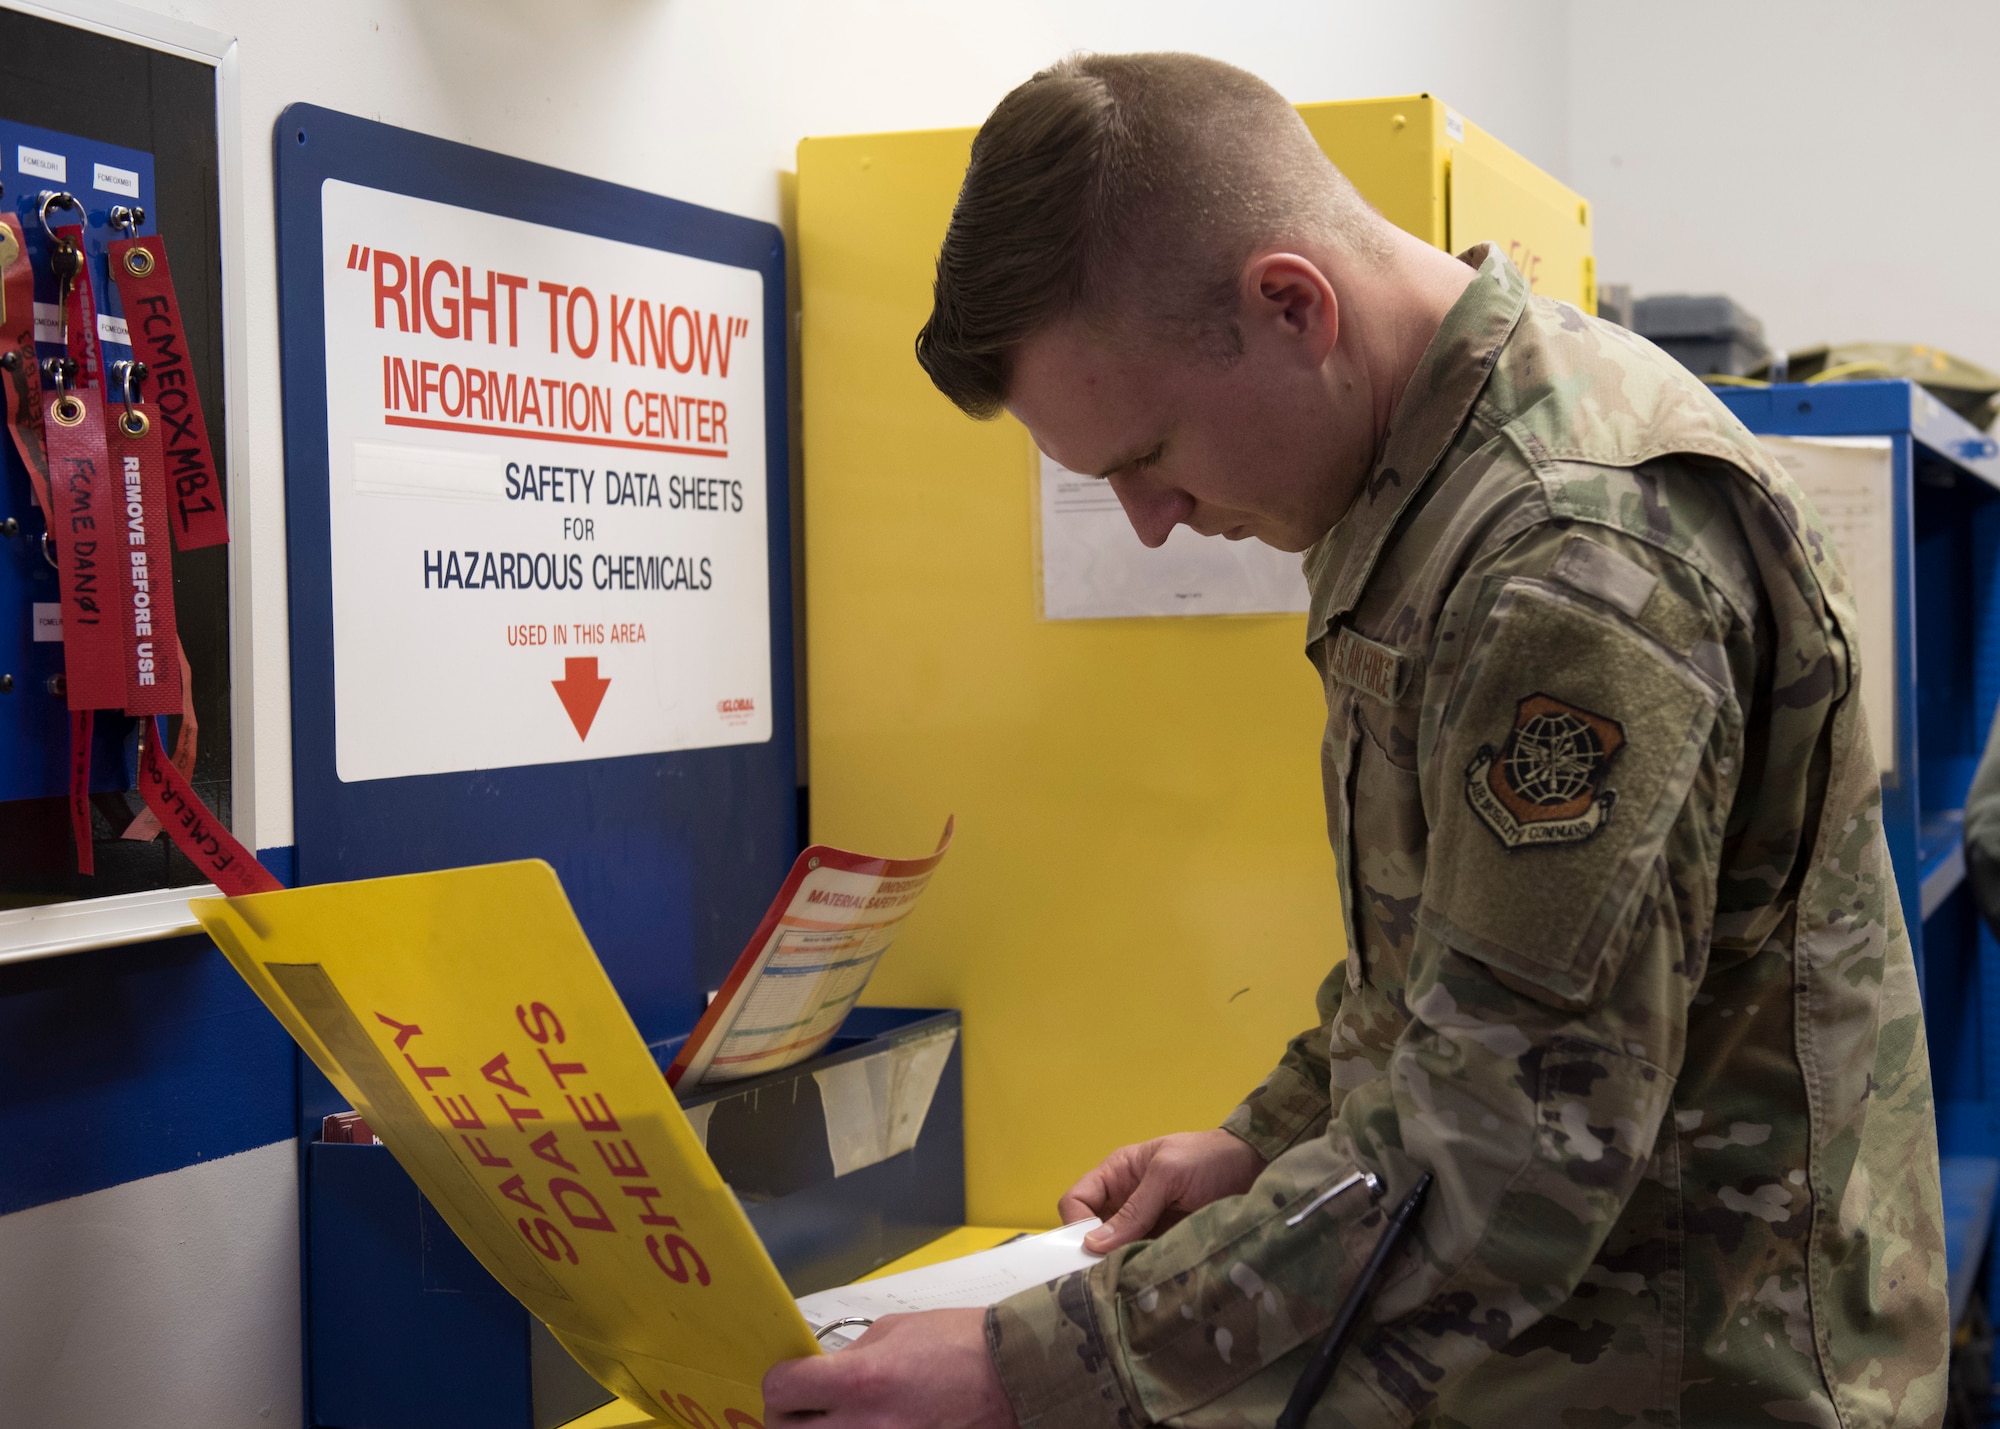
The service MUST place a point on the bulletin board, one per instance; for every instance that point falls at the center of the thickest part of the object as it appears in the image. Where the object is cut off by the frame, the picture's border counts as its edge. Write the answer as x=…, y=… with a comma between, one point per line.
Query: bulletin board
x=537, y=502
x=111, y=122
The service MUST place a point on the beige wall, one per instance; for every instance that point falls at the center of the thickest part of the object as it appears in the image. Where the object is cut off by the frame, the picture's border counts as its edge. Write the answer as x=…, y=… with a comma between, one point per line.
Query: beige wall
x=1828, y=164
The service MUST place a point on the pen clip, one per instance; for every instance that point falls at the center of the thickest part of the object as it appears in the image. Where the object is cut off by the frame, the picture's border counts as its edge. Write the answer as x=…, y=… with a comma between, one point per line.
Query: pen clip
x=1351, y=1179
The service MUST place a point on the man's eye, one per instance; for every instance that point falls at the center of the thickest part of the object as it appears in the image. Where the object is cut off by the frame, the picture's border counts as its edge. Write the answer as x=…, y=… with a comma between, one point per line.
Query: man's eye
x=1147, y=460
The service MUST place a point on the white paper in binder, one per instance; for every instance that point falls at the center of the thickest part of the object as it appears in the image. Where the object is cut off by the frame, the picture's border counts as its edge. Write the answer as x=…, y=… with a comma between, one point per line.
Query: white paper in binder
x=970, y=1282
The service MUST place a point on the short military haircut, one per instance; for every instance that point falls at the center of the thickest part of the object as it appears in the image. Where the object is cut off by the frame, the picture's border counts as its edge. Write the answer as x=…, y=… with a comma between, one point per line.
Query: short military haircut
x=1128, y=190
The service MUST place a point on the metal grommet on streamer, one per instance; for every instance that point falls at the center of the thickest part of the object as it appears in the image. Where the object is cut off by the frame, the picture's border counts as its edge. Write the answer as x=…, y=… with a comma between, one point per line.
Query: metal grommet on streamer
x=68, y=410
x=134, y=423
x=126, y=219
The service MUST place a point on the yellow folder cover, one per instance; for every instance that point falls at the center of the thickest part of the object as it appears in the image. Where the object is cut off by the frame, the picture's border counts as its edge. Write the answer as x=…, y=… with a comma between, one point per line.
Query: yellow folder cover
x=468, y=1019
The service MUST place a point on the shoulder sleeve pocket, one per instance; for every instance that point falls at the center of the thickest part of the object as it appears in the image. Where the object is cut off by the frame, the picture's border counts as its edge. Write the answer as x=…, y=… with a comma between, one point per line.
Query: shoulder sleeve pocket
x=1564, y=756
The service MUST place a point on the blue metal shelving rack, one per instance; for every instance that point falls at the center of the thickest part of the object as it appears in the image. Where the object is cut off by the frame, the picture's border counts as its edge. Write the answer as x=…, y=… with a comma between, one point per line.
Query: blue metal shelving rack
x=1947, y=623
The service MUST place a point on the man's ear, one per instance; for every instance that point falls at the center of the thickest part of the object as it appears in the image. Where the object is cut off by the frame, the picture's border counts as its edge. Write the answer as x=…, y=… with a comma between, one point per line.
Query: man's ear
x=1291, y=296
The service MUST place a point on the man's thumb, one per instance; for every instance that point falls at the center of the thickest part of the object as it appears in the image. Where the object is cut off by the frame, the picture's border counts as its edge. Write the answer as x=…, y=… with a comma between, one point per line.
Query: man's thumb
x=1132, y=1220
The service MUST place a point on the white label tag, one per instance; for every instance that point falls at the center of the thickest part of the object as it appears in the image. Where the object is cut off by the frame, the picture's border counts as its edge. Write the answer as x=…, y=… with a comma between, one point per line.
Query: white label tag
x=41, y=163
x=48, y=322
x=110, y=329
x=114, y=181
x=1454, y=125
x=48, y=622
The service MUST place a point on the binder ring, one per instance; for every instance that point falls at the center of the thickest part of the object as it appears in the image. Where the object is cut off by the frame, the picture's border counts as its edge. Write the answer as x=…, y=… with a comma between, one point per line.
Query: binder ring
x=830, y=1326
x=138, y=262
x=68, y=410
x=56, y=198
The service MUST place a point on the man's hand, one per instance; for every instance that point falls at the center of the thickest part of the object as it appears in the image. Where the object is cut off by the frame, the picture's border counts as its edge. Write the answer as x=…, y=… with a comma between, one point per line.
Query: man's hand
x=929, y=1371
x=1152, y=1185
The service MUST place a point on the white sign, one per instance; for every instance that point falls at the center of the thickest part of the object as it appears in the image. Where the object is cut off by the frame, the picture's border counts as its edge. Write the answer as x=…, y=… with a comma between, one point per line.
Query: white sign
x=48, y=621
x=114, y=181
x=1094, y=565
x=41, y=163
x=547, y=491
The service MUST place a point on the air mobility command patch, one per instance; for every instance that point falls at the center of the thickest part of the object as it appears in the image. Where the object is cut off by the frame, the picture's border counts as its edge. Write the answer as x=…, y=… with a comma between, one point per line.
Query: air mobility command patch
x=1546, y=785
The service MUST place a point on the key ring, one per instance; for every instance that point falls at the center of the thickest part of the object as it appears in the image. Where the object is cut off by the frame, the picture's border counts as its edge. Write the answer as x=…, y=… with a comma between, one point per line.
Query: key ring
x=56, y=198
x=127, y=373
x=132, y=422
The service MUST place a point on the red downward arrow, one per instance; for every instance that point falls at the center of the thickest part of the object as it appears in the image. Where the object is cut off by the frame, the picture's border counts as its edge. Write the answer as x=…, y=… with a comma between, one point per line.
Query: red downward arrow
x=582, y=692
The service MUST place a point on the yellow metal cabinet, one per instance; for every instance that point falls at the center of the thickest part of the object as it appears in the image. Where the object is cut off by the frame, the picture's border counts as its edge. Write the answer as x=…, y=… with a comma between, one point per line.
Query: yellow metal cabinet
x=1436, y=174
x=1141, y=899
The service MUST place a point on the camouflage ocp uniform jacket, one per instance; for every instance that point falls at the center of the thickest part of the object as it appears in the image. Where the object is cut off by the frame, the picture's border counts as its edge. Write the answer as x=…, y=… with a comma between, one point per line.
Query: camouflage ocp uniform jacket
x=1626, y=965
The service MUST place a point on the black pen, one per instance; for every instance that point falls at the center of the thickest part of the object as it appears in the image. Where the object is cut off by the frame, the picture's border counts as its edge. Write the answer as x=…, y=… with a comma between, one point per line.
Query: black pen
x=1318, y=1373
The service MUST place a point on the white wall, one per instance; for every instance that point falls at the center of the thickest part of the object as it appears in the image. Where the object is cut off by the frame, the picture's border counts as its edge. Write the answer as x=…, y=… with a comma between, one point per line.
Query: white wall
x=1825, y=163
x=706, y=100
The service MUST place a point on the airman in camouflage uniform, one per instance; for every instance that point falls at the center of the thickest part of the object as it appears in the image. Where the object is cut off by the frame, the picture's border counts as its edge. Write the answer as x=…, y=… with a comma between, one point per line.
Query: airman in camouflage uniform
x=1626, y=964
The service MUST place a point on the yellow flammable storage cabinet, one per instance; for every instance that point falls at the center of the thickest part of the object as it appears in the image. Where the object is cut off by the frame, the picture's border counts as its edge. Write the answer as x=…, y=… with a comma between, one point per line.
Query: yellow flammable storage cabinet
x=1141, y=900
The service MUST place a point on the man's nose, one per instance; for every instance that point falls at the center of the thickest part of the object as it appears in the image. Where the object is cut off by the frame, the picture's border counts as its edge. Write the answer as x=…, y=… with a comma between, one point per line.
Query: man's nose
x=1153, y=510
